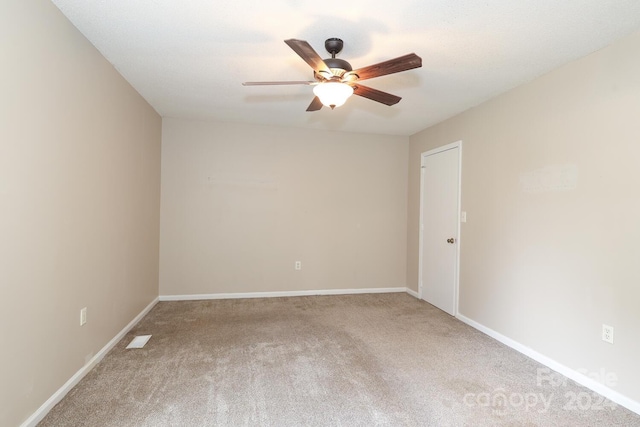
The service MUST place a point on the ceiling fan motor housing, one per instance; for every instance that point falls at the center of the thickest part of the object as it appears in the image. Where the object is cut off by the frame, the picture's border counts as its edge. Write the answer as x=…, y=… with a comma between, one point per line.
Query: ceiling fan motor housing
x=339, y=64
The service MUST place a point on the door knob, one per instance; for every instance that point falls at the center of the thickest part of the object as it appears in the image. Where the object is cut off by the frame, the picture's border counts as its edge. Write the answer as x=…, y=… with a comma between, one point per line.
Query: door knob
x=452, y=240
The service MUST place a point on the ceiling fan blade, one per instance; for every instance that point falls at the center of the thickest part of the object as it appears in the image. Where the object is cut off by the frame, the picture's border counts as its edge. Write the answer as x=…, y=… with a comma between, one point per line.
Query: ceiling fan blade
x=375, y=95
x=315, y=105
x=402, y=63
x=293, y=82
x=310, y=56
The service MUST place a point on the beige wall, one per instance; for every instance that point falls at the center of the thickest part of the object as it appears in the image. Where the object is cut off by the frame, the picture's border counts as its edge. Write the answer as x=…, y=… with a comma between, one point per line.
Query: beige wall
x=79, y=203
x=548, y=265
x=240, y=204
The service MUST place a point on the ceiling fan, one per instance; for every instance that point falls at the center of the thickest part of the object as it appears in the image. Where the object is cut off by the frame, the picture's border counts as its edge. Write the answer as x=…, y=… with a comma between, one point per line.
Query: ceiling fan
x=335, y=79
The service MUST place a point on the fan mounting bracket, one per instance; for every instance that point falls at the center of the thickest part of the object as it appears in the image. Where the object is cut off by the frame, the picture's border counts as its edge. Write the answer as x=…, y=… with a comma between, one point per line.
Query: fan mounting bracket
x=333, y=45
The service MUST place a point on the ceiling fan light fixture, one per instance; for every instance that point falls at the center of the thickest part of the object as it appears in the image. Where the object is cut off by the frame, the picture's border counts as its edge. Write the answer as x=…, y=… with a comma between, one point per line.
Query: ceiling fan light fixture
x=333, y=94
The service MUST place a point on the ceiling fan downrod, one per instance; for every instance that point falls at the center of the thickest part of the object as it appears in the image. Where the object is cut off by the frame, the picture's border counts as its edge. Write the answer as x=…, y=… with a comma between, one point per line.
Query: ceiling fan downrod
x=338, y=66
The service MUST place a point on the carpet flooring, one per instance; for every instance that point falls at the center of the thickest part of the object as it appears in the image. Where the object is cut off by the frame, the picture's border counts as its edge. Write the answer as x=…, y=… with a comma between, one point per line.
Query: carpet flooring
x=355, y=360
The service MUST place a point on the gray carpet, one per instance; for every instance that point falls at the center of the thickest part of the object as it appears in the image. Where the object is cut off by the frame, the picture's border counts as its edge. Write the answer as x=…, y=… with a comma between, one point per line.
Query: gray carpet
x=357, y=360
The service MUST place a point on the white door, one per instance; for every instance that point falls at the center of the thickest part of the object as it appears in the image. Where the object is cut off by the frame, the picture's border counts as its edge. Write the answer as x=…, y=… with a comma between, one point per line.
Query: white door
x=439, y=227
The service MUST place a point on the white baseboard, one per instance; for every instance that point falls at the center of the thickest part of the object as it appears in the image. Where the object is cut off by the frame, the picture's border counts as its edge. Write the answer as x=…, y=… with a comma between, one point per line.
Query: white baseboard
x=413, y=293
x=193, y=297
x=572, y=374
x=43, y=410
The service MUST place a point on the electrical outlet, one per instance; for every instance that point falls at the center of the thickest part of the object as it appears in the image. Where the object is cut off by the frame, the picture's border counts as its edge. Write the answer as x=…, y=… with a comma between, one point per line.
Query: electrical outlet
x=83, y=316
x=607, y=333
x=298, y=265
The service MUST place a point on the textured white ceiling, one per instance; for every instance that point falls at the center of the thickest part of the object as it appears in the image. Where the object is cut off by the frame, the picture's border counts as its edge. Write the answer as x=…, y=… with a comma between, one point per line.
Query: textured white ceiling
x=188, y=58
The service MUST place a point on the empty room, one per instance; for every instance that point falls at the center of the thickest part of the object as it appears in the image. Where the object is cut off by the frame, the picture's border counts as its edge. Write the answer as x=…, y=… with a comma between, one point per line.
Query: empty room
x=319, y=213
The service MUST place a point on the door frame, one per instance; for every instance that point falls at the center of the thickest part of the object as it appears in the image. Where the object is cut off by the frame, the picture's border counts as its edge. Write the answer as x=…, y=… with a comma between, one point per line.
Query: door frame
x=456, y=273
